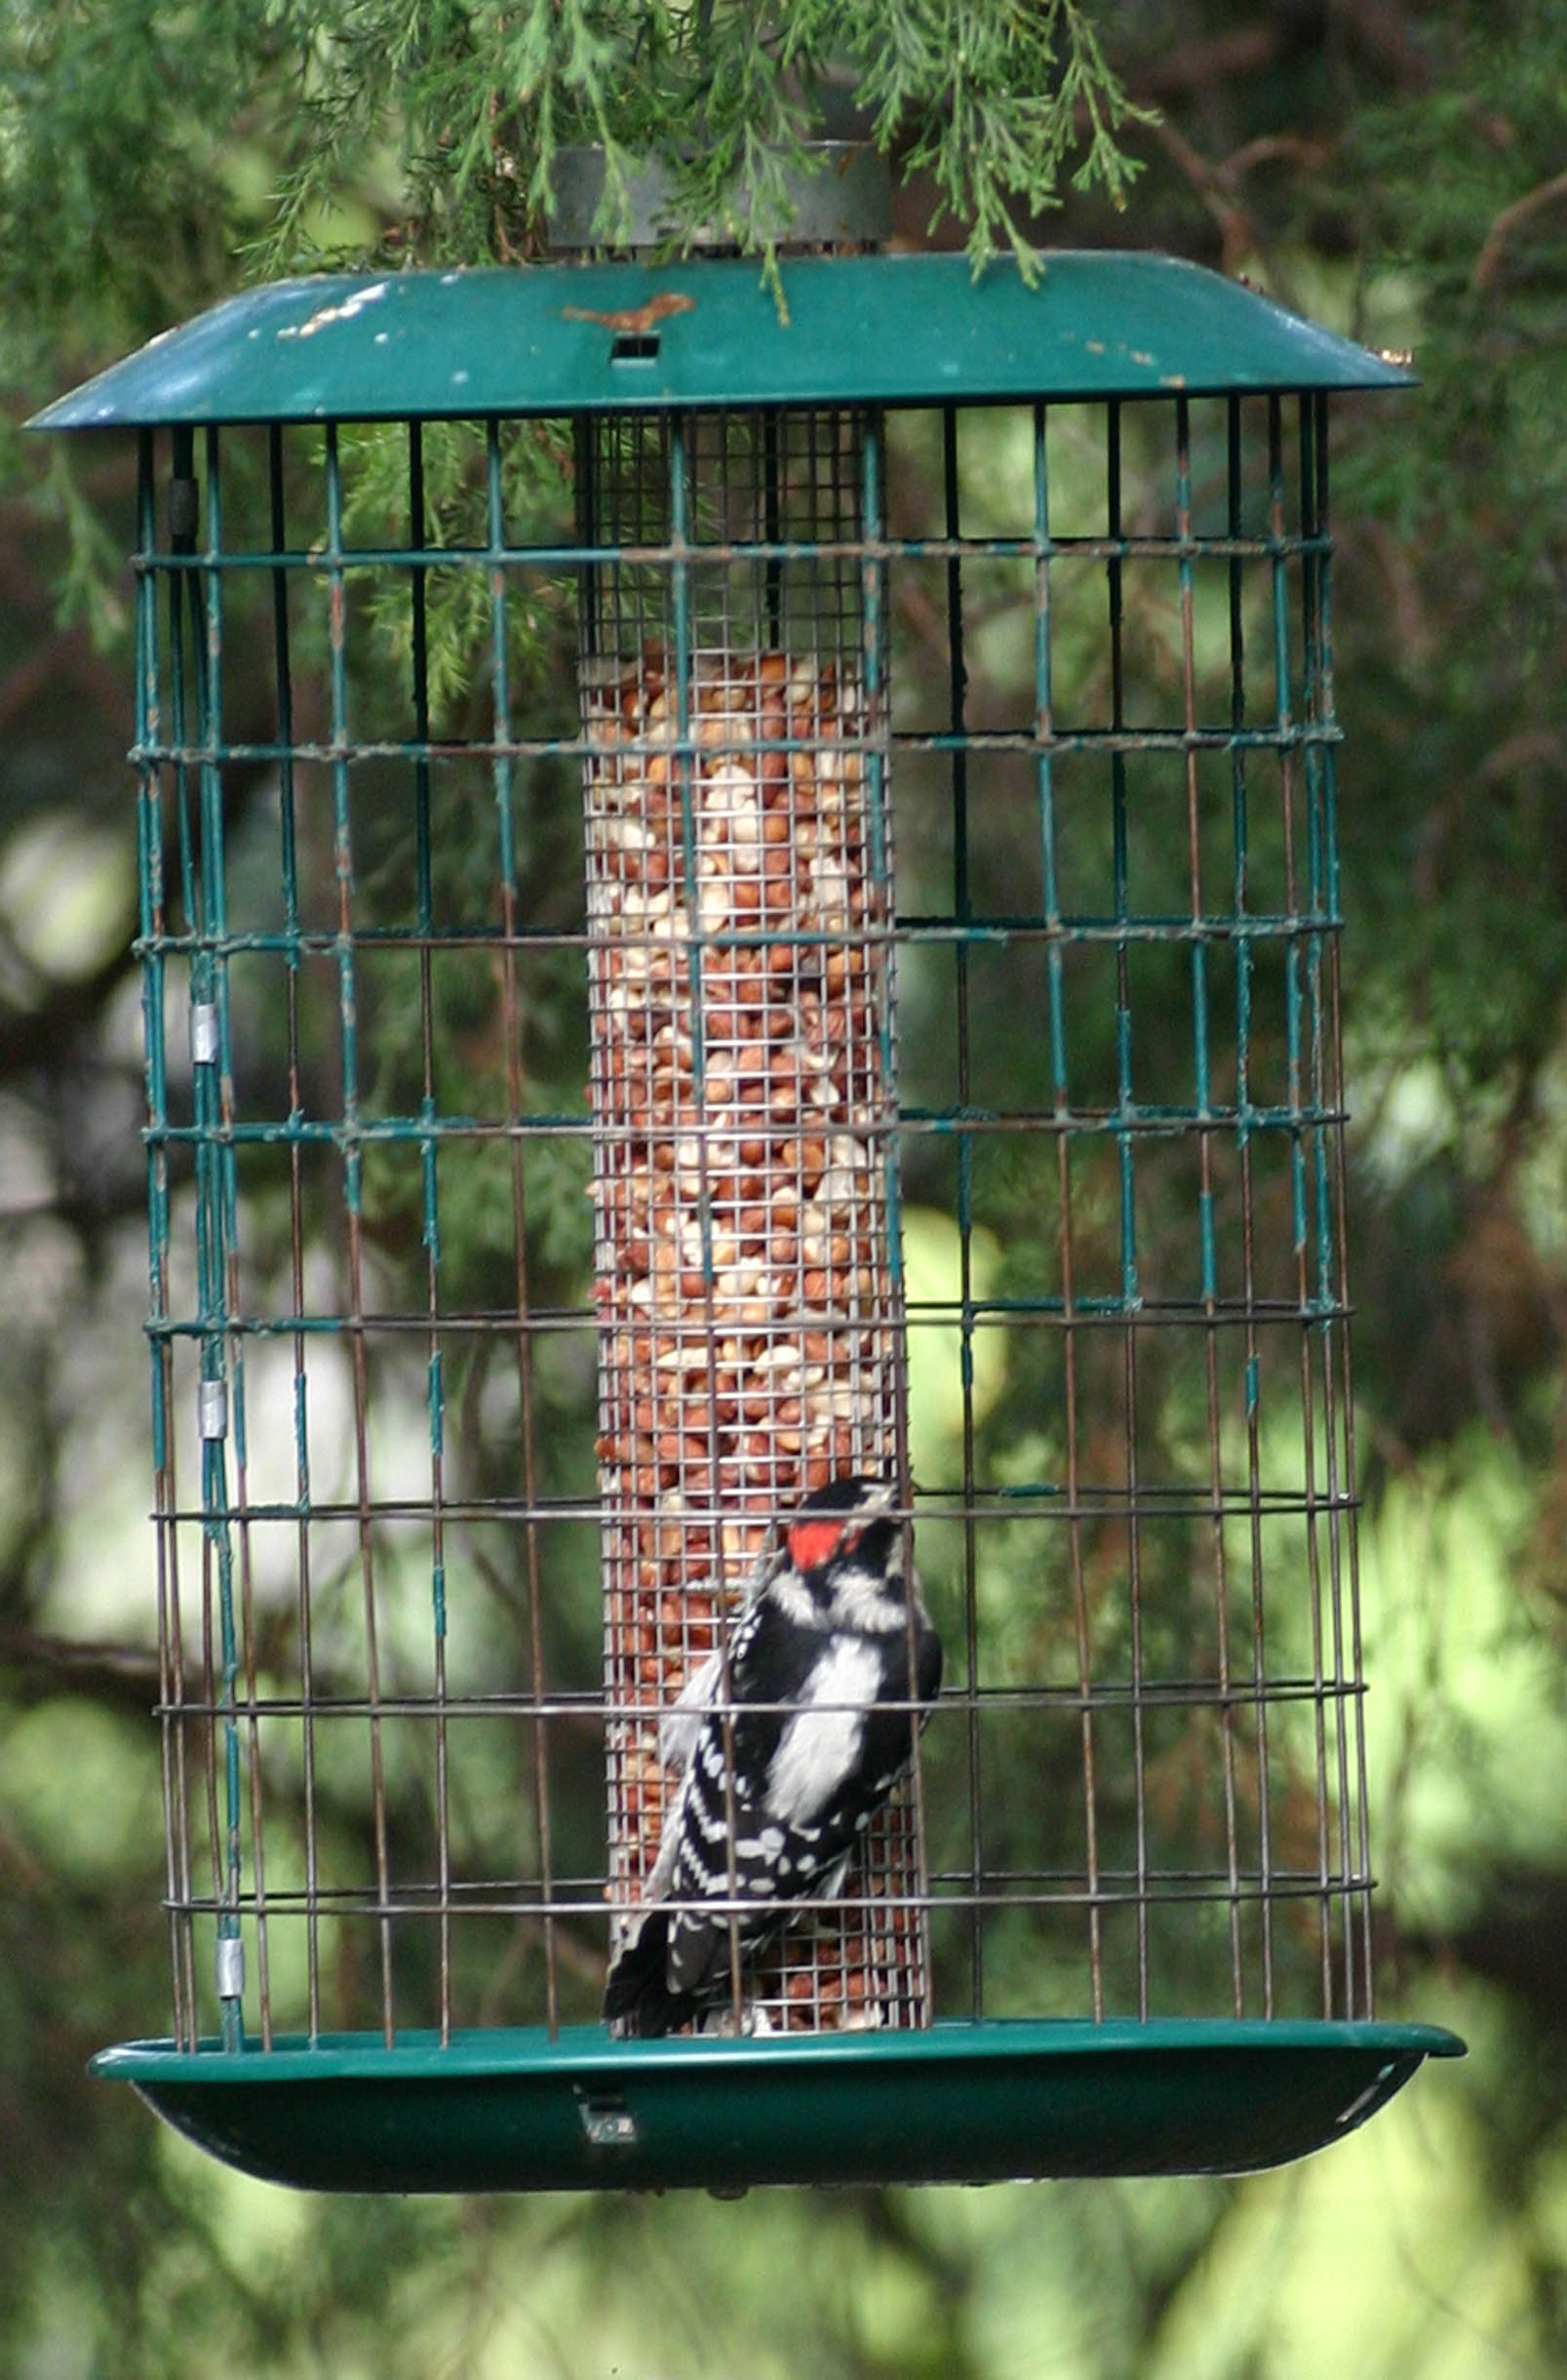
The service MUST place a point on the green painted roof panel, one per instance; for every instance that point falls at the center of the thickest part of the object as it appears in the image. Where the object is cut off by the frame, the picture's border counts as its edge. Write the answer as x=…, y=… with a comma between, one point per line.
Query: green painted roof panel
x=887, y=329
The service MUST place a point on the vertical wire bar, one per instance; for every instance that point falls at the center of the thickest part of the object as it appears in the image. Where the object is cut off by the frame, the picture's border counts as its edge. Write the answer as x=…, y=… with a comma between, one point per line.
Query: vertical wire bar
x=760, y=439
x=597, y=597
x=183, y=503
x=957, y=713
x=228, y=1189
x=692, y=474
x=722, y=446
x=586, y=476
x=1132, y=1296
x=353, y=1183
x=210, y=987
x=512, y=1028
x=230, y=1195
x=186, y=694
x=875, y=611
x=289, y=868
x=621, y=609
x=883, y=1944
x=296, y=1214
x=1244, y=962
x=604, y=592
x=682, y=442
x=1055, y=965
x=1293, y=1003
x=683, y=509
x=1204, y=1116
x=183, y=541
x=772, y=526
x=424, y=927
x=1324, y=1089
x=1330, y=837
x=700, y=624
x=683, y=465
x=288, y=862
x=152, y=932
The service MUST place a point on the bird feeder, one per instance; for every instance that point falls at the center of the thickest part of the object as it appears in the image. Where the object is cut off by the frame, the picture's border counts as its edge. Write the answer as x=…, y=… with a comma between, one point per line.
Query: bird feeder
x=572, y=1137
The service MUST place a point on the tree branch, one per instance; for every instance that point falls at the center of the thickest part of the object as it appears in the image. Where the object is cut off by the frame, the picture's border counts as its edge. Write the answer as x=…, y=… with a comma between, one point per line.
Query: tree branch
x=1196, y=64
x=38, y=1665
x=1238, y=234
x=1488, y=262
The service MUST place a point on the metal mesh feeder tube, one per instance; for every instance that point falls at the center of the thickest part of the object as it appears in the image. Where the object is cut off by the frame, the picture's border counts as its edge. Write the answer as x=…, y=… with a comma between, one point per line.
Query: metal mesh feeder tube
x=569, y=1142
x=738, y=865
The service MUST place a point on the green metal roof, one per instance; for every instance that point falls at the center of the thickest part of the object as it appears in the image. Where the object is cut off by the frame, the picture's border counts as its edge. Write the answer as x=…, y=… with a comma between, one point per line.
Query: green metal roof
x=888, y=330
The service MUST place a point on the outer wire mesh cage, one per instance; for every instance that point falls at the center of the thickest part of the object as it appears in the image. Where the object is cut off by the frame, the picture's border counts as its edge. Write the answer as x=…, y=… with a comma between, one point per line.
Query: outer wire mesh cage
x=1013, y=1175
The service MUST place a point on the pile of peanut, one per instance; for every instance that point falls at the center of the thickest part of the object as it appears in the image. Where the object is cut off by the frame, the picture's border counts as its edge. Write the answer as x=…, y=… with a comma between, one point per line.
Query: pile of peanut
x=740, y=998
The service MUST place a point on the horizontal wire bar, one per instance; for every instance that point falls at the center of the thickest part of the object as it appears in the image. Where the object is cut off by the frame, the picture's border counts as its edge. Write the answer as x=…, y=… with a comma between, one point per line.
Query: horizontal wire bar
x=1295, y=736
x=1257, y=926
x=301, y=943
x=1301, y=735
x=1115, y=1123
x=1194, y=1694
x=1168, y=1503
x=1305, y=1882
x=324, y=562
x=927, y=1314
x=1159, y=1891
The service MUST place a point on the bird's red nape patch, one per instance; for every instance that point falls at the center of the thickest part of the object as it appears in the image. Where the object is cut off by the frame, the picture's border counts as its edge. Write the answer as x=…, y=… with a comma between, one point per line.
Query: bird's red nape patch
x=813, y=1542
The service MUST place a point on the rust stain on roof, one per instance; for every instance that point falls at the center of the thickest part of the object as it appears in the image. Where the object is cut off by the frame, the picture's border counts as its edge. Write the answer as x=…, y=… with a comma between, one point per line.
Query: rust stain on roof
x=639, y=320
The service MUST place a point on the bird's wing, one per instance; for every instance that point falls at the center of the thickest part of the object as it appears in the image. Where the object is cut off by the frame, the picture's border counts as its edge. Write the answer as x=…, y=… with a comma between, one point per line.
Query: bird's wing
x=682, y=1723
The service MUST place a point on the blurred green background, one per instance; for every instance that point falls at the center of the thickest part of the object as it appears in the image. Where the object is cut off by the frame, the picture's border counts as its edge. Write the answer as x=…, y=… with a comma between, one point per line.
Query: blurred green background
x=1395, y=171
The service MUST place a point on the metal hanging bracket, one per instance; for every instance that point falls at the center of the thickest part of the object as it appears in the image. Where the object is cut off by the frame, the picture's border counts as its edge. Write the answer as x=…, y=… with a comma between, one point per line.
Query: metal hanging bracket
x=843, y=198
x=204, y=1033
x=228, y=1964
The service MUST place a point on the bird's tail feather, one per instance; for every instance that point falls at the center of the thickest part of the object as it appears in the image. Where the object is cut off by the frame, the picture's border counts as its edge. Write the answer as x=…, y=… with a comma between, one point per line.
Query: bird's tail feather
x=638, y=2002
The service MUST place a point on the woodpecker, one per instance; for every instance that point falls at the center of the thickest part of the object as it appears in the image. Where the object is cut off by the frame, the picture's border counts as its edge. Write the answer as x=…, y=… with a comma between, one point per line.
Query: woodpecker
x=819, y=1663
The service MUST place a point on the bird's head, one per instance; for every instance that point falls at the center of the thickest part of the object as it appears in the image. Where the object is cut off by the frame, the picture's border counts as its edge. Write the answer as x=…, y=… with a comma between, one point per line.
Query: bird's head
x=833, y=1519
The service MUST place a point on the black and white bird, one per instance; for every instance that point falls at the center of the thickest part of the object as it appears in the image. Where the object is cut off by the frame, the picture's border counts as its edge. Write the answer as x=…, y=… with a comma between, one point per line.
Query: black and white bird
x=820, y=1663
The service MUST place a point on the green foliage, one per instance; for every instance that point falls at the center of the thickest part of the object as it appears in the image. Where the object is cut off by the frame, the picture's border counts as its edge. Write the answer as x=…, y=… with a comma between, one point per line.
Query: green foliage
x=139, y=154
x=119, y=194
x=1462, y=189
x=983, y=99
x=478, y=98
x=533, y=492
x=138, y=148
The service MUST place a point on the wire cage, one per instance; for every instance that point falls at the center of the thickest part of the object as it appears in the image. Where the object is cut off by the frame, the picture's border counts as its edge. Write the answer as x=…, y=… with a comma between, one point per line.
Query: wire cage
x=571, y=1141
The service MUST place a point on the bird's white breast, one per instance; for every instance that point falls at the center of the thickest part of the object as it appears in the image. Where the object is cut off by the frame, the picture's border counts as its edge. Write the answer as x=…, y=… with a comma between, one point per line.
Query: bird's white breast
x=820, y=1746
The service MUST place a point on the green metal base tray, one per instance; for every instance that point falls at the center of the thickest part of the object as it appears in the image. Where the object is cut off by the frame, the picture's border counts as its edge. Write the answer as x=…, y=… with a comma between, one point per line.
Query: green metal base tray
x=962, y=2103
